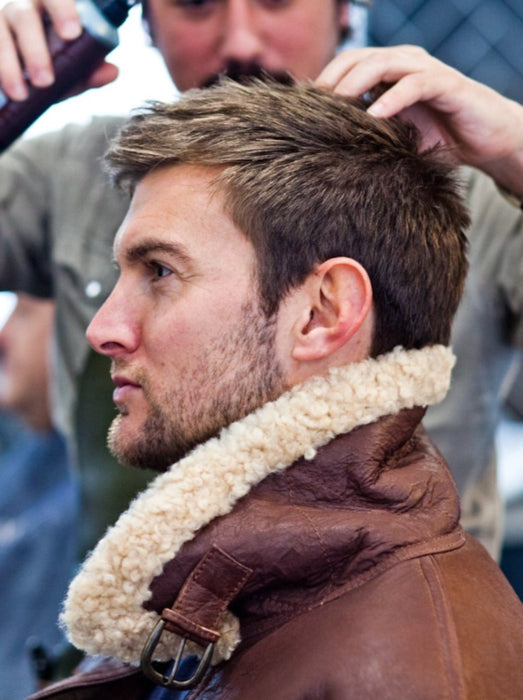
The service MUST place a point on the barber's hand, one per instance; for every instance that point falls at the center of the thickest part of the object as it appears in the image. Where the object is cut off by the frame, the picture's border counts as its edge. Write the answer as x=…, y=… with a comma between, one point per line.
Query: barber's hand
x=24, y=55
x=481, y=127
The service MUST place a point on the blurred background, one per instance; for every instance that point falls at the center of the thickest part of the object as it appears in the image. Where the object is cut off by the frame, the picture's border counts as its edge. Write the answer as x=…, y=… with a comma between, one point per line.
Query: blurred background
x=482, y=38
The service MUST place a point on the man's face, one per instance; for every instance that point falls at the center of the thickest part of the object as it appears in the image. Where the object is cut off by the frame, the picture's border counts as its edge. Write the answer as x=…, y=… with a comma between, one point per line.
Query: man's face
x=200, y=39
x=191, y=351
x=24, y=357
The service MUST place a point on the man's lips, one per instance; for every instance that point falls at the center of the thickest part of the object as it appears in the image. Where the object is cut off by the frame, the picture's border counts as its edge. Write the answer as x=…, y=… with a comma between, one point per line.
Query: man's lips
x=125, y=387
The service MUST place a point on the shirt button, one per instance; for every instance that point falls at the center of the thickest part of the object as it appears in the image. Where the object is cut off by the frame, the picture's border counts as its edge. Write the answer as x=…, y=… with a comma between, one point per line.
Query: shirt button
x=93, y=289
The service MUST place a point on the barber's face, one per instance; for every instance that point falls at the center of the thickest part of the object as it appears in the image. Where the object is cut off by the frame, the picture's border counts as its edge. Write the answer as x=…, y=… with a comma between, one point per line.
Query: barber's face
x=200, y=39
x=191, y=351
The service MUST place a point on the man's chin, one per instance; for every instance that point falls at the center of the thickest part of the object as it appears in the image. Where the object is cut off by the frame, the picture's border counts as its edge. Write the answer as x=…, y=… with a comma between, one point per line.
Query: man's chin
x=134, y=450
x=137, y=452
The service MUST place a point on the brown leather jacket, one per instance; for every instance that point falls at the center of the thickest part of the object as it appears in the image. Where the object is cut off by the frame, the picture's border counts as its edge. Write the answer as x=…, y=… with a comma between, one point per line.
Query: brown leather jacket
x=350, y=577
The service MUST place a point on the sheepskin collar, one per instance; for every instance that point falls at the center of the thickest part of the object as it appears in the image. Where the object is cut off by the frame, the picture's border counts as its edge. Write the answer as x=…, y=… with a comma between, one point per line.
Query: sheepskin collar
x=104, y=611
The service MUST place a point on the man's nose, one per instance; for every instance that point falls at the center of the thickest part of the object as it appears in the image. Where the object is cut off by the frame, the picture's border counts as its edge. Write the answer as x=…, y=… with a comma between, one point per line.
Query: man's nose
x=114, y=329
x=241, y=40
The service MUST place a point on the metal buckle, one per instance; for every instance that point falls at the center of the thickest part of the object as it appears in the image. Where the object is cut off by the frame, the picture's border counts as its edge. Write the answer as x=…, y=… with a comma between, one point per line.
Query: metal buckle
x=169, y=681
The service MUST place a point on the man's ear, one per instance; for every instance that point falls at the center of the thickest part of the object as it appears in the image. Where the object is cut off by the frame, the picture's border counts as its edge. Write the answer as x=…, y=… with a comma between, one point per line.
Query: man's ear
x=339, y=297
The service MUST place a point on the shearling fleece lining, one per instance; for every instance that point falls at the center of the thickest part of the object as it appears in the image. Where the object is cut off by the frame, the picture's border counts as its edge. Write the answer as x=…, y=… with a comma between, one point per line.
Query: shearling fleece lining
x=103, y=612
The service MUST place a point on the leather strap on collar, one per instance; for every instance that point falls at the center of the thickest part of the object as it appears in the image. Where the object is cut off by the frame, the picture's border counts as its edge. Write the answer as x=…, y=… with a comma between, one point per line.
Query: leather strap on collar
x=208, y=590
x=196, y=615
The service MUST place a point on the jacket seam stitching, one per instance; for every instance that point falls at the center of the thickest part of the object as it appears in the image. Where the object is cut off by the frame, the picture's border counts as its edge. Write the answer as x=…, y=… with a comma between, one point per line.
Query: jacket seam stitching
x=448, y=649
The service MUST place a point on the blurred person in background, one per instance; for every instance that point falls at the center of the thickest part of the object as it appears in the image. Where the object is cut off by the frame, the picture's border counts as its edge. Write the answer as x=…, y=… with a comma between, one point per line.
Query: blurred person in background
x=38, y=506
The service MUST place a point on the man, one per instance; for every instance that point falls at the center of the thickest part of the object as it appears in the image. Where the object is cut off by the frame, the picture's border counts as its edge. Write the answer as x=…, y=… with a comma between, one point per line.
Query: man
x=56, y=244
x=289, y=269
x=38, y=505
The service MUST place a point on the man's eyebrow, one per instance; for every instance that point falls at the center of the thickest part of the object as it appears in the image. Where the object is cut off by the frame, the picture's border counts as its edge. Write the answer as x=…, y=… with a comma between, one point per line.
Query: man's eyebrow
x=138, y=252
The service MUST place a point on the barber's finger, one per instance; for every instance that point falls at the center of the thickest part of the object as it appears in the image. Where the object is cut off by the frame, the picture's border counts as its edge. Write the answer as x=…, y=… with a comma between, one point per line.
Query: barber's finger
x=12, y=81
x=439, y=89
x=401, y=95
x=340, y=65
x=104, y=74
x=23, y=22
x=381, y=60
x=64, y=16
x=358, y=71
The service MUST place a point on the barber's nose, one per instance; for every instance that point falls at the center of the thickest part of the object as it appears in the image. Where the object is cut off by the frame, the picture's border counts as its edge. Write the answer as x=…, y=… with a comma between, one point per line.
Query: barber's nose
x=241, y=39
x=114, y=330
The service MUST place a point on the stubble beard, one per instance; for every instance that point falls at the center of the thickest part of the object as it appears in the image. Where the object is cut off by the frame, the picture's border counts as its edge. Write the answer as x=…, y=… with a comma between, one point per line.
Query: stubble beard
x=234, y=377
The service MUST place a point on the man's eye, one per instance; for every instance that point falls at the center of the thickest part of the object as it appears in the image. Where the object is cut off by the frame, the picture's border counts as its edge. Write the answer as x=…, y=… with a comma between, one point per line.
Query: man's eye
x=159, y=270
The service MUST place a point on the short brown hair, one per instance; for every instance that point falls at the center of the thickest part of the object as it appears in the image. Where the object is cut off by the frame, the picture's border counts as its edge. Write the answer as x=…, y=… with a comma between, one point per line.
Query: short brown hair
x=308, y=175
